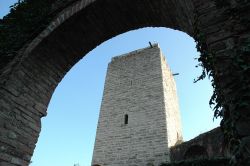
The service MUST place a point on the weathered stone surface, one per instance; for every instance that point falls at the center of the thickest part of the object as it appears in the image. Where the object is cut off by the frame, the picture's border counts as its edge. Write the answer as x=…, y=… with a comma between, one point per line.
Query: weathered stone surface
x=81, y=25
x=6, y=164
x=12, y=135
x=211, y=142
x=139, y=117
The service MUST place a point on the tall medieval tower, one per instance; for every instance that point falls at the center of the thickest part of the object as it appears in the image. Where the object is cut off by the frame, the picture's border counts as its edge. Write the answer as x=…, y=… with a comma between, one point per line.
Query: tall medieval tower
x=139, y=118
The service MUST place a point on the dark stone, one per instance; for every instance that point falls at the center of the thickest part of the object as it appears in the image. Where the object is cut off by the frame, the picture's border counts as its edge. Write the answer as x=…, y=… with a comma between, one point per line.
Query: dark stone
x=243, y=128
x=245, y=147
x=196, y=151
x=209, y=144
x=12, y=135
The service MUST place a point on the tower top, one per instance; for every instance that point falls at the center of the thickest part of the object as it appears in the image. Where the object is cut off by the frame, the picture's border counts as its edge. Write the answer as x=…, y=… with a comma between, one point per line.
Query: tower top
x=136, y=52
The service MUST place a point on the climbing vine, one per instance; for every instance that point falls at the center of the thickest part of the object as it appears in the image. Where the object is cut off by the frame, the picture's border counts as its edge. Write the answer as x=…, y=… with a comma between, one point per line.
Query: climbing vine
x=230, y=98
x=26, y=19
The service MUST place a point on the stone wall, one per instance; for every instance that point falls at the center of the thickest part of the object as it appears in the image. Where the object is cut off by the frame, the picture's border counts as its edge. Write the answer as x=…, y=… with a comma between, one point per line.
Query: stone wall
x=206, y=145
x=174, y=128
x=139, y=87
x=27, y=82
x=200, y=162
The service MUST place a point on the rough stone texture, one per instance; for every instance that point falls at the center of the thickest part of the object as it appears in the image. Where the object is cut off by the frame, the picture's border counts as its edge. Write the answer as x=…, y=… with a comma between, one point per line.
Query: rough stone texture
x=201, y=162
x=211, y=142
x=140, y=85
x=28, y=81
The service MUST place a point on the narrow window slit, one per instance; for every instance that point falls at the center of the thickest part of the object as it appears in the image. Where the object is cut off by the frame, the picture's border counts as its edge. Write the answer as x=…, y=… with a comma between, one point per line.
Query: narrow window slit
x=126, y=119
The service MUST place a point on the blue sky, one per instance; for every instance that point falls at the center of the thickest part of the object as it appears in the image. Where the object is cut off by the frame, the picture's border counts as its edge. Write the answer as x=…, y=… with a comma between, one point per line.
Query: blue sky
x=68, y=131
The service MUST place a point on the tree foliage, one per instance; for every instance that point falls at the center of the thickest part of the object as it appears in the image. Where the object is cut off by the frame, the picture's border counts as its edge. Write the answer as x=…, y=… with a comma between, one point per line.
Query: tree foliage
x=27, y=18
x=231, y=96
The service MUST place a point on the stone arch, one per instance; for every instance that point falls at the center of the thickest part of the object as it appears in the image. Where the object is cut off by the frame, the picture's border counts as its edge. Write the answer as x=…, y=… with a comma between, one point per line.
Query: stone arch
x=196, y=151
x=27, y=82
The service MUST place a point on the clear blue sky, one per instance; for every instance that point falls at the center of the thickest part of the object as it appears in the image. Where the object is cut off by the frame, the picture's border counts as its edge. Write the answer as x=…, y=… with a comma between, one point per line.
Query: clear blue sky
x=68, y=132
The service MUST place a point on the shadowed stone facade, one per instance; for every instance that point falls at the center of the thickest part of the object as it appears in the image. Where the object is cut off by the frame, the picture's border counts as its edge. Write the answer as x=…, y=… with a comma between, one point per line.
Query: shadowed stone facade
x=139, y=117
x=210, y=144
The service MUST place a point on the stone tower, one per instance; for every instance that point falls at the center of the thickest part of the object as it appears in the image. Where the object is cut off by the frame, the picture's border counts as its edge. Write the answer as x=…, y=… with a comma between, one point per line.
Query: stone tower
x=139, y=118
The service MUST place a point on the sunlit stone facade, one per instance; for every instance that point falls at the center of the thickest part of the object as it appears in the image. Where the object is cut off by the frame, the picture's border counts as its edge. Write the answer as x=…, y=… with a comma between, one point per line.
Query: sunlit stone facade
x=139, y=118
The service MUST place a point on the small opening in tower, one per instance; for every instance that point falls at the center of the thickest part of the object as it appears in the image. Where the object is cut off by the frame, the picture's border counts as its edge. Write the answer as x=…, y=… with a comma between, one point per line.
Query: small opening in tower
x=126, y=119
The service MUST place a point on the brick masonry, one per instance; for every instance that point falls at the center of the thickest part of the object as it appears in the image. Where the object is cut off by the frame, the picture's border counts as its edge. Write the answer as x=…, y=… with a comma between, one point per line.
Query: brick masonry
x=139, y=85
x=29, y=80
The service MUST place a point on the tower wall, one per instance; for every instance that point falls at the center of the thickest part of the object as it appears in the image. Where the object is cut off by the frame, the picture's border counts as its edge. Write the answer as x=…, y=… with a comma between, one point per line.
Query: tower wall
x=133, y=122
x=174, y=128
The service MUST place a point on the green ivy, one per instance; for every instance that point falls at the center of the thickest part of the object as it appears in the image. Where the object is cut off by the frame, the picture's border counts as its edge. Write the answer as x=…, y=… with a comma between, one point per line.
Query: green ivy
x=238, y=87
x=26, y=20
